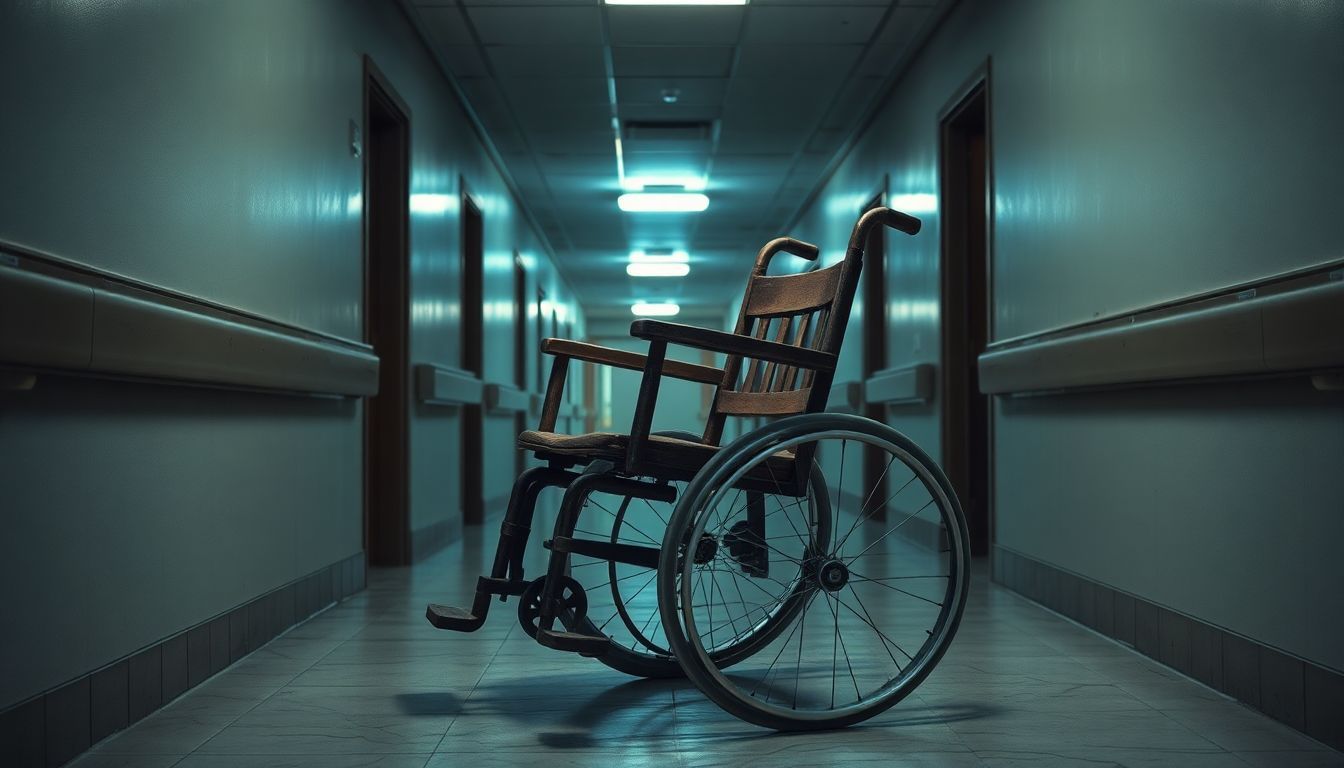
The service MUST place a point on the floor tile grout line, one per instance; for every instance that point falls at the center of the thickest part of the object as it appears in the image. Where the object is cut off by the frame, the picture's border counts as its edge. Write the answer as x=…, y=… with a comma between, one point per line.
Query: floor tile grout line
x=484, y=670
x=269, y=696
x=1134, y=653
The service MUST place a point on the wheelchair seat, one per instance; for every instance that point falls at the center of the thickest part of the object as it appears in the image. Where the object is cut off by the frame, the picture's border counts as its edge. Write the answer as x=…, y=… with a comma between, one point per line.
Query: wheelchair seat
x=681, y=456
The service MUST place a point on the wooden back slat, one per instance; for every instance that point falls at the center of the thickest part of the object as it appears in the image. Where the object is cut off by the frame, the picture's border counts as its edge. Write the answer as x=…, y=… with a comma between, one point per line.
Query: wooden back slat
x=762, y=328
x=793, y=294
x=763, y=403
x=806, y=310
x=789, y=376
x=771, y=370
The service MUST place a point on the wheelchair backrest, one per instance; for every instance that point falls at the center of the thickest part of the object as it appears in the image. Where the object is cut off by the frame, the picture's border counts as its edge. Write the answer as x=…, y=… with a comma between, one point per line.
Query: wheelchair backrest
x=809, y=309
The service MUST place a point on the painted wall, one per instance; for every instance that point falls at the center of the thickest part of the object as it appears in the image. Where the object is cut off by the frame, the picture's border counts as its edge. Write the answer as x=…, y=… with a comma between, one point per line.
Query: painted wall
x=203, y=147
x=682, y=405
x=1143, y=151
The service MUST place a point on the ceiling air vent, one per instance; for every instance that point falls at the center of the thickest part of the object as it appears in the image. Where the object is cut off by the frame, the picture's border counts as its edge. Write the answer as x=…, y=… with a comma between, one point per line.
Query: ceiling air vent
x=657, y=130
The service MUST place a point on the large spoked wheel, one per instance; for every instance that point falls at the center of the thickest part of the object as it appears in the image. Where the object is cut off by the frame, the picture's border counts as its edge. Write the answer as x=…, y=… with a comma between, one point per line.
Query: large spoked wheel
x=875, y=605
x=622, y=599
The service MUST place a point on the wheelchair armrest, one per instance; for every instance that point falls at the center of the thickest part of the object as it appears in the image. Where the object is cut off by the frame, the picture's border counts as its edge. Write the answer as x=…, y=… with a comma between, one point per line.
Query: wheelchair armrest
x=732, y=344
x=564, y=350
x=633, y=361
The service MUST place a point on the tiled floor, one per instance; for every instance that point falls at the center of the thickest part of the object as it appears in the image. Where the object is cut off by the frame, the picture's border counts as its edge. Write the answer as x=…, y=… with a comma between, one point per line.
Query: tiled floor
x=370, y=683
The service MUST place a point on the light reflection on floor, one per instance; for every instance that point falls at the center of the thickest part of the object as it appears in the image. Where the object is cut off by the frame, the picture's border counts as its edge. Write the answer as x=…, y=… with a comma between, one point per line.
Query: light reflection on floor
x=370, y=683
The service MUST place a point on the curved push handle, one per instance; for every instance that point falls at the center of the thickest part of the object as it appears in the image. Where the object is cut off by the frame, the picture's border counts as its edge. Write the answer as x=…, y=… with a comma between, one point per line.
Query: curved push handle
x=881, y=216
x=785, y=245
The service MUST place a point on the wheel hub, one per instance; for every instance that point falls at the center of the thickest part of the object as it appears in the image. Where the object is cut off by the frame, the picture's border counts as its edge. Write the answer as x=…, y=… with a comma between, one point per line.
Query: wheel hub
x=832, y=575
x=706, y=549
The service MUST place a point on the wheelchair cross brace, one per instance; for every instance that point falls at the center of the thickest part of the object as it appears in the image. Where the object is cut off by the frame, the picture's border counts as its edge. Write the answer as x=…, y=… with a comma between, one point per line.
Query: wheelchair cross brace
x=506, y=575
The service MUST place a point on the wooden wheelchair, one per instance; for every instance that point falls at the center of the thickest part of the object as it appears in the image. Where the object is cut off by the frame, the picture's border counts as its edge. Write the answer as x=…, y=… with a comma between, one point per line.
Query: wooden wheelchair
x=807, y=575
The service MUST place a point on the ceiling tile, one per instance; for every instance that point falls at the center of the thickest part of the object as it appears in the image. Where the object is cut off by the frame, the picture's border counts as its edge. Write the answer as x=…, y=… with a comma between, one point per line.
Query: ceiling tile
x=580, y=142
x=568, y=90
x=751, y=165
x=893, y=42
x=537, y=26
x=783, y=138
x=672, y=61
x=674, y=26
x=507, y=139
x=813, y=61
x=763, y=103
x=603, y=162
x=669, y=112
x=482, y=92
x=582, y=61
x=446, y=26
x=464, y=61
x=812, y=24
x=690, y=91
x=541, y=117
x=852, y=101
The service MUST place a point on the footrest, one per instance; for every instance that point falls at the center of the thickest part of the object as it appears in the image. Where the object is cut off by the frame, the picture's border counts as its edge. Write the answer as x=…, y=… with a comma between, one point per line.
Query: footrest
x=456, y=619
x=584, y=645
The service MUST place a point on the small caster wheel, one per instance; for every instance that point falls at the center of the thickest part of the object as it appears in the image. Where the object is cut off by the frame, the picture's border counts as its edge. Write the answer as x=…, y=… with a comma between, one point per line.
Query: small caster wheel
x=571, y=605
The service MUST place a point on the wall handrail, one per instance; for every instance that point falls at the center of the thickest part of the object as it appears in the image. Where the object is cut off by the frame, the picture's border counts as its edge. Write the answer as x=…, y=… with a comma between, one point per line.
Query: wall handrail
x=446, y=386
x=80, y=322
x=904, y=385
x=1282, y=326
x=506, y=399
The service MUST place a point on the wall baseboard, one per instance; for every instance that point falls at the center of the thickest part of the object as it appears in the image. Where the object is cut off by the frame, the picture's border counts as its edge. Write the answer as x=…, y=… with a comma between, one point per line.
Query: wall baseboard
x=1294, y=691
x=55, y=727
x=430, y=539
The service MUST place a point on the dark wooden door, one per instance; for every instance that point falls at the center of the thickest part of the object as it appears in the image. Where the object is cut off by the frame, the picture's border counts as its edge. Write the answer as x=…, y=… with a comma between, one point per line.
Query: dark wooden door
x=473, y=315
x=386, y=302
x=966, y=267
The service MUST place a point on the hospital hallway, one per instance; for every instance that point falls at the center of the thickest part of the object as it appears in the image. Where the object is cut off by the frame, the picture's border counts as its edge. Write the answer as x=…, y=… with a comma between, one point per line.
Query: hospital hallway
x=368, y=682
x=757, y=383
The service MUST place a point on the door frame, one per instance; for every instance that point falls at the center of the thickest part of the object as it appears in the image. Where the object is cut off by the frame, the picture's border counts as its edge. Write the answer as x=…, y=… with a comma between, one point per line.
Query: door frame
x=976, y=87
x=387, y=533
x=471, y=466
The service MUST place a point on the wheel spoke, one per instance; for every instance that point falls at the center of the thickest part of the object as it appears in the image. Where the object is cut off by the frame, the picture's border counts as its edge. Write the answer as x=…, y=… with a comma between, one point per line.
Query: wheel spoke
x=888, y=533
x=873, y=625
x=883, y=505
x=726, y=623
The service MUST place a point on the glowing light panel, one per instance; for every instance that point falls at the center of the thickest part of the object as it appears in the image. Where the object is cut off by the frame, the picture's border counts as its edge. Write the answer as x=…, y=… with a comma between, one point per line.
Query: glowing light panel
x=660, y=309
x=662, y=202
x=657, y=270
x=643, y=257
x=676, y=2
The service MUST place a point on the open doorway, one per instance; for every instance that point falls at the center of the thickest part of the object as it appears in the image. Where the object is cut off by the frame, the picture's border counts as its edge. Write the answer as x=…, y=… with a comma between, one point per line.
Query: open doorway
x=473, y=314
x=386, y=304
x=966, y=264
x=875, y=347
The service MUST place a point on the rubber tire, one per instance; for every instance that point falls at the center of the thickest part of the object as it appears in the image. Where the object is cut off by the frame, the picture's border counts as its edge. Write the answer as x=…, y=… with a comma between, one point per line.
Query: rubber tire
x=683, y=516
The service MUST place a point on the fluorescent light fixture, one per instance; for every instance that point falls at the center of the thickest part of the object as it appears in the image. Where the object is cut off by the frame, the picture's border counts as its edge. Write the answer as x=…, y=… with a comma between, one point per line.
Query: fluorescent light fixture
x=431, y=203
x=915, y=203
x=676, y=2
x=682, y=183
x=660, y=309
x=635, y=269
x=666, y=257
x=662, y=202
